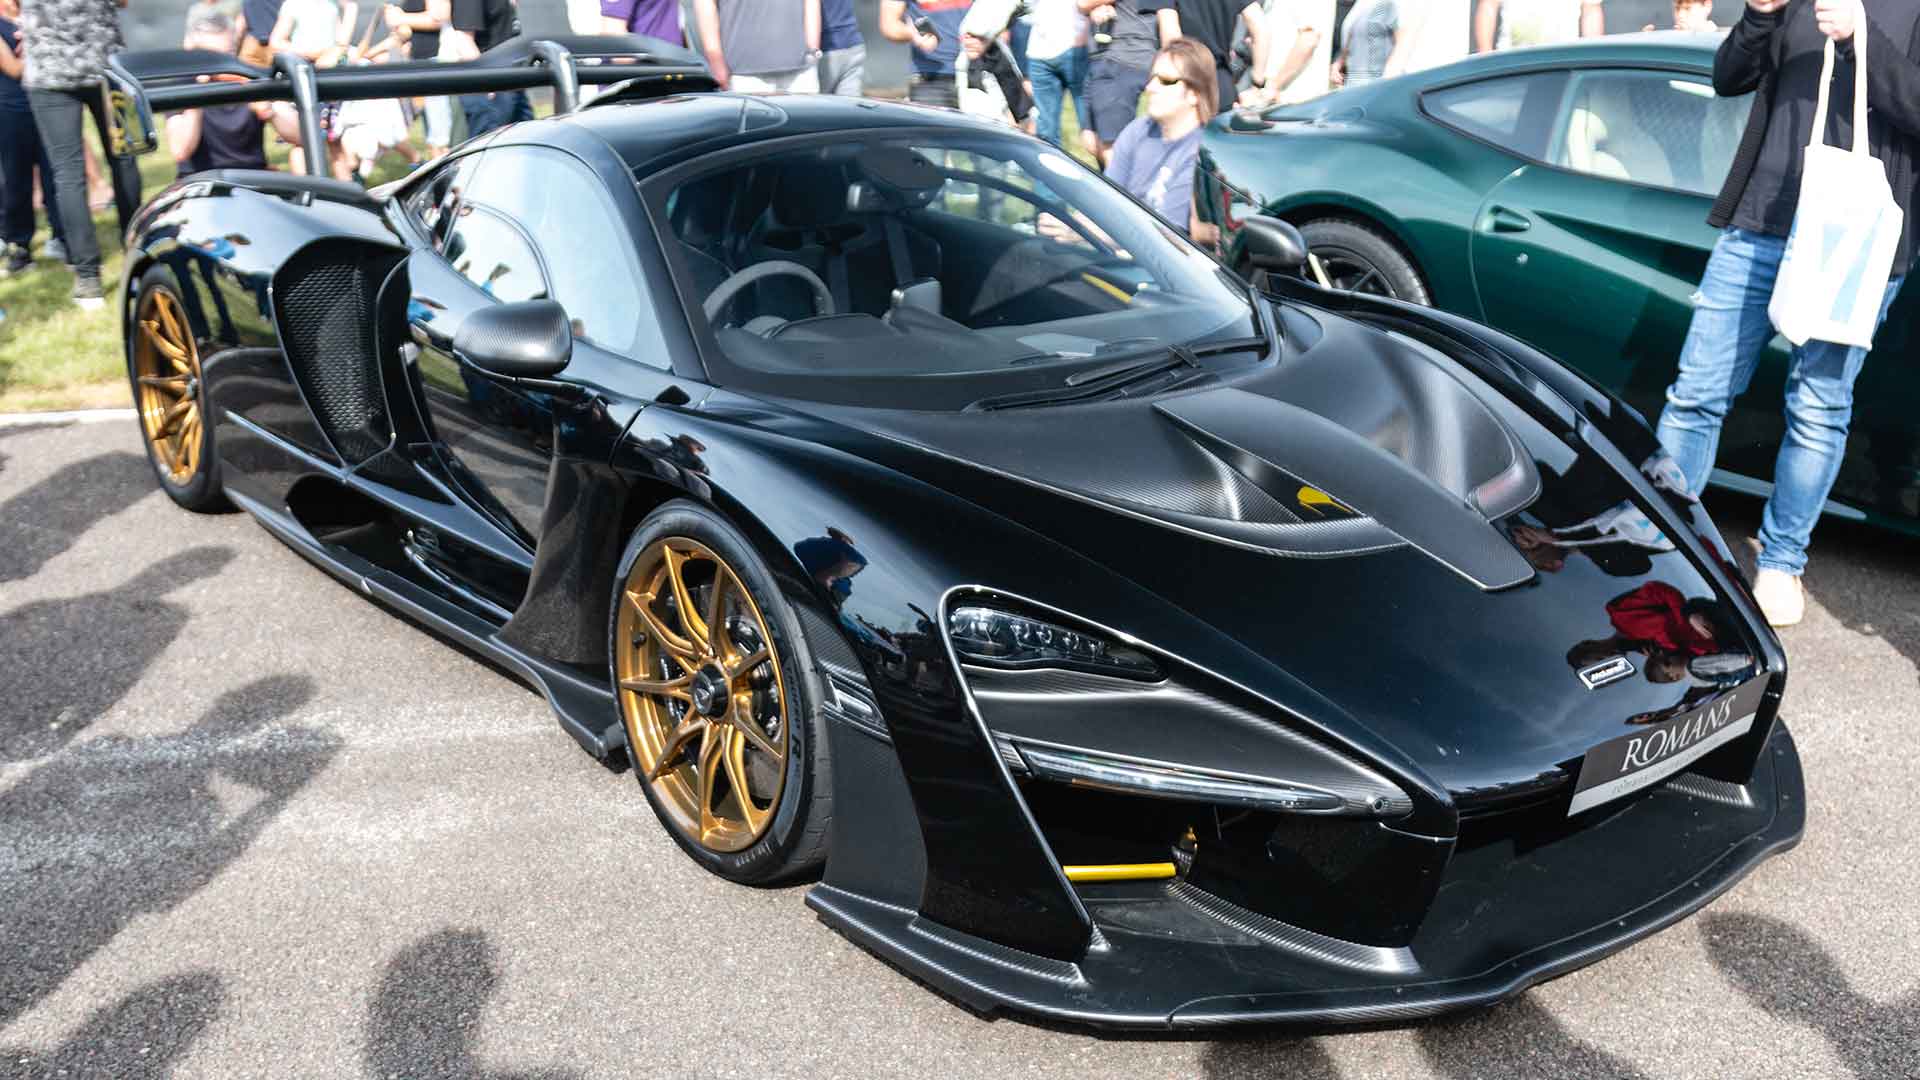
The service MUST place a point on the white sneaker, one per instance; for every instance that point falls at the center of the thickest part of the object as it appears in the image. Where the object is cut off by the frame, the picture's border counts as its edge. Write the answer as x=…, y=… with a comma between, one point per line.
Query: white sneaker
x=1780, y=597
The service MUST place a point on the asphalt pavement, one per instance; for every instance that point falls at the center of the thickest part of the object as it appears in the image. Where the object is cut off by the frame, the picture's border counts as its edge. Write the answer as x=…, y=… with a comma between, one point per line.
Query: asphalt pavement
x=253, y=825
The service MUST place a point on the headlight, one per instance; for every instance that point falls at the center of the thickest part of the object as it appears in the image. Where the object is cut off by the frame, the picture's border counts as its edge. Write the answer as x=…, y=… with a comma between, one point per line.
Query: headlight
x=997, y=638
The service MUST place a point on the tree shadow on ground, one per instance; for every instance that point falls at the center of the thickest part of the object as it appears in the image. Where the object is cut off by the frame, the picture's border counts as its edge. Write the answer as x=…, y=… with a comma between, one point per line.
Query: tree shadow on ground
x=141, y=1036
x=120, y=826
x=425, y=1019
x=45, y=519
x=1791, y=977
x=1294, y=1057
x=67, y=661
x=1517, y=1040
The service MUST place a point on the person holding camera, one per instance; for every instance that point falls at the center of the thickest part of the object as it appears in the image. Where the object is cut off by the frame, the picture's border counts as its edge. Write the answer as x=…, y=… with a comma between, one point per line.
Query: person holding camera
x=932, y=27
x=1776, y=51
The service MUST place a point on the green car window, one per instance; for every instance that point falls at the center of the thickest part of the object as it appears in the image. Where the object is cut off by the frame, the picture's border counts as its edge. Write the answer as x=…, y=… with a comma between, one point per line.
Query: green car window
x=1513, y=112
x=1650, y=127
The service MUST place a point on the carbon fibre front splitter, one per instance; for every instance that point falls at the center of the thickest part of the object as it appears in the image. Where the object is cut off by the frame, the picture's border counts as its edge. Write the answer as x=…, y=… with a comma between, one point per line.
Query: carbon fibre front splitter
x=1514, y=910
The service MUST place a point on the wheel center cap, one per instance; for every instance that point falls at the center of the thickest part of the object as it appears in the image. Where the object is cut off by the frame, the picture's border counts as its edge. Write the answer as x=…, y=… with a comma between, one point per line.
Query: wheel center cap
x=710, y=691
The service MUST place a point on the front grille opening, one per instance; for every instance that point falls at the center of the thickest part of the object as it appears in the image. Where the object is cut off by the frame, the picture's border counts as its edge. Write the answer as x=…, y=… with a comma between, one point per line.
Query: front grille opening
x=1088, y=828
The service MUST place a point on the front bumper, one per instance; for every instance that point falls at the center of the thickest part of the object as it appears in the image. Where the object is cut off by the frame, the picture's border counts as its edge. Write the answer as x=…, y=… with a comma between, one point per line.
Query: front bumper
x=1516, y=907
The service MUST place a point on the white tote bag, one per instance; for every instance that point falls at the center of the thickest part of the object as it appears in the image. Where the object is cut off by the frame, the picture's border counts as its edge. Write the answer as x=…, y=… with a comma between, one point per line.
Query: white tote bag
x=1846, y=230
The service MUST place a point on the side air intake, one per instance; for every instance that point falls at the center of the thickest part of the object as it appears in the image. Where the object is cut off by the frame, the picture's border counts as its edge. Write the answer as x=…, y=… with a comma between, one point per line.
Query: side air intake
x=325, y=302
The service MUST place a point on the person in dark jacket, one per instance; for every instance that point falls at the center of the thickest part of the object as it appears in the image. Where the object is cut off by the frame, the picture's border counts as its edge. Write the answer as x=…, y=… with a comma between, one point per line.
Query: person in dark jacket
x=1776, y=51
x=68, y=42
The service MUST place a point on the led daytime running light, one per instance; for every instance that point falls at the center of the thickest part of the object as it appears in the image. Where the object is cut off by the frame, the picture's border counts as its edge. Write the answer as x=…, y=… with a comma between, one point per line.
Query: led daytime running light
x=1002, y=639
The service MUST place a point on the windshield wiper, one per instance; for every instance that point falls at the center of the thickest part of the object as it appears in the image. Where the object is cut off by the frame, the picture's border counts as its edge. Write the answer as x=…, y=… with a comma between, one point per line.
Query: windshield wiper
x=1095, y=383
x=1160, y=358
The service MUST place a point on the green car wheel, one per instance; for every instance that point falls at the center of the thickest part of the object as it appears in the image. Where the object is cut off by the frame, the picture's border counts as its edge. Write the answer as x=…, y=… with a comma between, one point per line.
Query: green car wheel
x=1355, y=258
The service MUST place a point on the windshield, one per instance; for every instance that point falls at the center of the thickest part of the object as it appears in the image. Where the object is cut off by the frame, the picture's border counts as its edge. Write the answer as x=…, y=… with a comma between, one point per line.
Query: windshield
x=944, y=258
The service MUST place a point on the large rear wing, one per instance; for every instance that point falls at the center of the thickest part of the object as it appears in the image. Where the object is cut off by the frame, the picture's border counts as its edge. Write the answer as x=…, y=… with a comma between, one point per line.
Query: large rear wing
x=139, y=84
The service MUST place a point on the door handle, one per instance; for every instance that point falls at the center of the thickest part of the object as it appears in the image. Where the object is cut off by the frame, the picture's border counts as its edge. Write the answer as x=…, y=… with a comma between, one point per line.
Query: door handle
x=1502, y=220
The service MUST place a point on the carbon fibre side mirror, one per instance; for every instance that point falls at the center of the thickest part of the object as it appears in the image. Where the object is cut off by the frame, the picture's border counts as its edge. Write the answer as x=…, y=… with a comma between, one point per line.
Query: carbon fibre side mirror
x=1272, y=245
x=531, y=339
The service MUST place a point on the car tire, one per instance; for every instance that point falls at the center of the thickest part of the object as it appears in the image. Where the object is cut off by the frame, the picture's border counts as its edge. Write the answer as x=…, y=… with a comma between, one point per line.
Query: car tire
x=1367, y=258
x=170, y=396
x=789, y=840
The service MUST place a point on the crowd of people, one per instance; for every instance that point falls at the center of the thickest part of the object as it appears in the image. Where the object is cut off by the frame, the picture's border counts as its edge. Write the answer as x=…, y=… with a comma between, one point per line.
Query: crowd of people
x=54, y=52
x=1141, y=76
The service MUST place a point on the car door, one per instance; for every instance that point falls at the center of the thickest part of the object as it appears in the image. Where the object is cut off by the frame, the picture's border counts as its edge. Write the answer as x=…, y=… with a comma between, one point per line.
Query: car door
x=526, y=223
x=1593, y=253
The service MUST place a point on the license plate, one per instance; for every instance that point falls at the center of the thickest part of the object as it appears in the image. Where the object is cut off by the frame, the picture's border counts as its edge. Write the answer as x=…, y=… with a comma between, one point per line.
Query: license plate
x=1656, y=751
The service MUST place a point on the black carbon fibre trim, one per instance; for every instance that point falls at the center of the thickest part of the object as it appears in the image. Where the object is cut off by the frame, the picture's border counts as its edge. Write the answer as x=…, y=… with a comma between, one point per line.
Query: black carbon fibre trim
x=1052, y=707
x=324, y=301
x=1281, y=446
x=995, y=953
x=1720, y=791
x=1319, y=947
x=851, y=701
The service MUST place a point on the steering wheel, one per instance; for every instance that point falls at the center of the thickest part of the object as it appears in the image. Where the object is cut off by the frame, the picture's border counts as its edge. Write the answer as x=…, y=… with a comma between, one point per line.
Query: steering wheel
x=723, y=293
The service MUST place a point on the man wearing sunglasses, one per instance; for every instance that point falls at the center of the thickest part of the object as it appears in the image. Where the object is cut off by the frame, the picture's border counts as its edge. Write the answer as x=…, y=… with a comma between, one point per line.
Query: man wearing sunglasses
x=1154, y=156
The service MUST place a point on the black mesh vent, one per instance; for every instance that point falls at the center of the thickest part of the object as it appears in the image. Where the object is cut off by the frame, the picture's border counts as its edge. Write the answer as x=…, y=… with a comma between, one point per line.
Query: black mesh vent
x=324, y=301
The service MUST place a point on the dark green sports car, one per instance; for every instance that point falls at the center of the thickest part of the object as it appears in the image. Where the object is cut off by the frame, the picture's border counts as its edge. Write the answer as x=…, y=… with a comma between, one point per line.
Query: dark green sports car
x=1559, y=194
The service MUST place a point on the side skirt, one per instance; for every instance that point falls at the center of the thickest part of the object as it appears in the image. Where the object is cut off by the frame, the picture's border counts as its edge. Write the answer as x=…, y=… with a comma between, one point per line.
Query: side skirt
x=582, y=706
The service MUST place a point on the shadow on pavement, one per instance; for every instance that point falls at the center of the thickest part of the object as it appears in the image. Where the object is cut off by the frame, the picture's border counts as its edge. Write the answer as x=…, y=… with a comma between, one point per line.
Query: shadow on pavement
x=45, y=519
x=1865, y=577
x=119, y=827
x=1791, y=977
x=1517, y=1039
x=142, y=1035
x=1869, y=581
x=66, y=662
x=425, y=1019
x=1295, y=1058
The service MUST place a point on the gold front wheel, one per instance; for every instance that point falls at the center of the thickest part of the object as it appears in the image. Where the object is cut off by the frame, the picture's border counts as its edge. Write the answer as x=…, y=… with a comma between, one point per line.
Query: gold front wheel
x=170, y=395
x=702, y=695
x=166, y=386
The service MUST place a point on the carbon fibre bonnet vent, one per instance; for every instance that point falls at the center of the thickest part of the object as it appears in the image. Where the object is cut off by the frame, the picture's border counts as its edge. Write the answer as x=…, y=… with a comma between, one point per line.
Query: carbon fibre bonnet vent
x=324, y=301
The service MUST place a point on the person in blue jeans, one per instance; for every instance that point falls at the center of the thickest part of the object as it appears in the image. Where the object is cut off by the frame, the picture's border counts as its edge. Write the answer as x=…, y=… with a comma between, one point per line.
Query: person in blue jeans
x=1056, y=65
x=20, y=153
x=1775, y=52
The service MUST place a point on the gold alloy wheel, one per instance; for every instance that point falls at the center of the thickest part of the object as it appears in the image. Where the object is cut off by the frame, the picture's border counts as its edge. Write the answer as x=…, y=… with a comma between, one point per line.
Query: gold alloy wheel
x=166, y=370
x=701, y=694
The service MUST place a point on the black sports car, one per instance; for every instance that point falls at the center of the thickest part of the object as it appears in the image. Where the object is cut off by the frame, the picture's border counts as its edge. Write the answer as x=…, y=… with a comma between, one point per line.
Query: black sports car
x=910, y=507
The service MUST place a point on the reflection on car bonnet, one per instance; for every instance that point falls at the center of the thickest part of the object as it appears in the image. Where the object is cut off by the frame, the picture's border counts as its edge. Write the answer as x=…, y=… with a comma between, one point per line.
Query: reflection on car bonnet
x=1622, y=523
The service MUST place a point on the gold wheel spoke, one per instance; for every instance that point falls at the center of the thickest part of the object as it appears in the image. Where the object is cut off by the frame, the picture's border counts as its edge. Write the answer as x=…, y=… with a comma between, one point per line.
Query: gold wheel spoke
x=713, y=748
x=673, y=688
x=716, y=617
x=736, y=765
x=681, y=649
x=172, y=317
x=749, y=728
x=171, y=418
x=748, y=662
x=696, y=628
x=175, y=384
x=190, y=441
x=676, y=742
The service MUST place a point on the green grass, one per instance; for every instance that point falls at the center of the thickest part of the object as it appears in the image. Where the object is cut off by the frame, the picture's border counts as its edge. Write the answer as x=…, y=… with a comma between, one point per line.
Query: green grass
x=53, y=355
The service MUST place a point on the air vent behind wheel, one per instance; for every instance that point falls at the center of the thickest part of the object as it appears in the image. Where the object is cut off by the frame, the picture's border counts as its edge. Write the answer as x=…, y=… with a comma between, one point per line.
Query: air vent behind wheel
x=324, y=302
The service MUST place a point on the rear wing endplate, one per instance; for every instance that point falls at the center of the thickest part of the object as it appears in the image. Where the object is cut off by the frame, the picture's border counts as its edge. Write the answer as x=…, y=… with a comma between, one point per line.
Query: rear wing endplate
x=138, y=84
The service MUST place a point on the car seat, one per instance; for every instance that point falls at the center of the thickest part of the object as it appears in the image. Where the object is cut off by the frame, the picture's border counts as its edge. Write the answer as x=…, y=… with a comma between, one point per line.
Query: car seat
x=1630, y=117
x=1586, y=135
